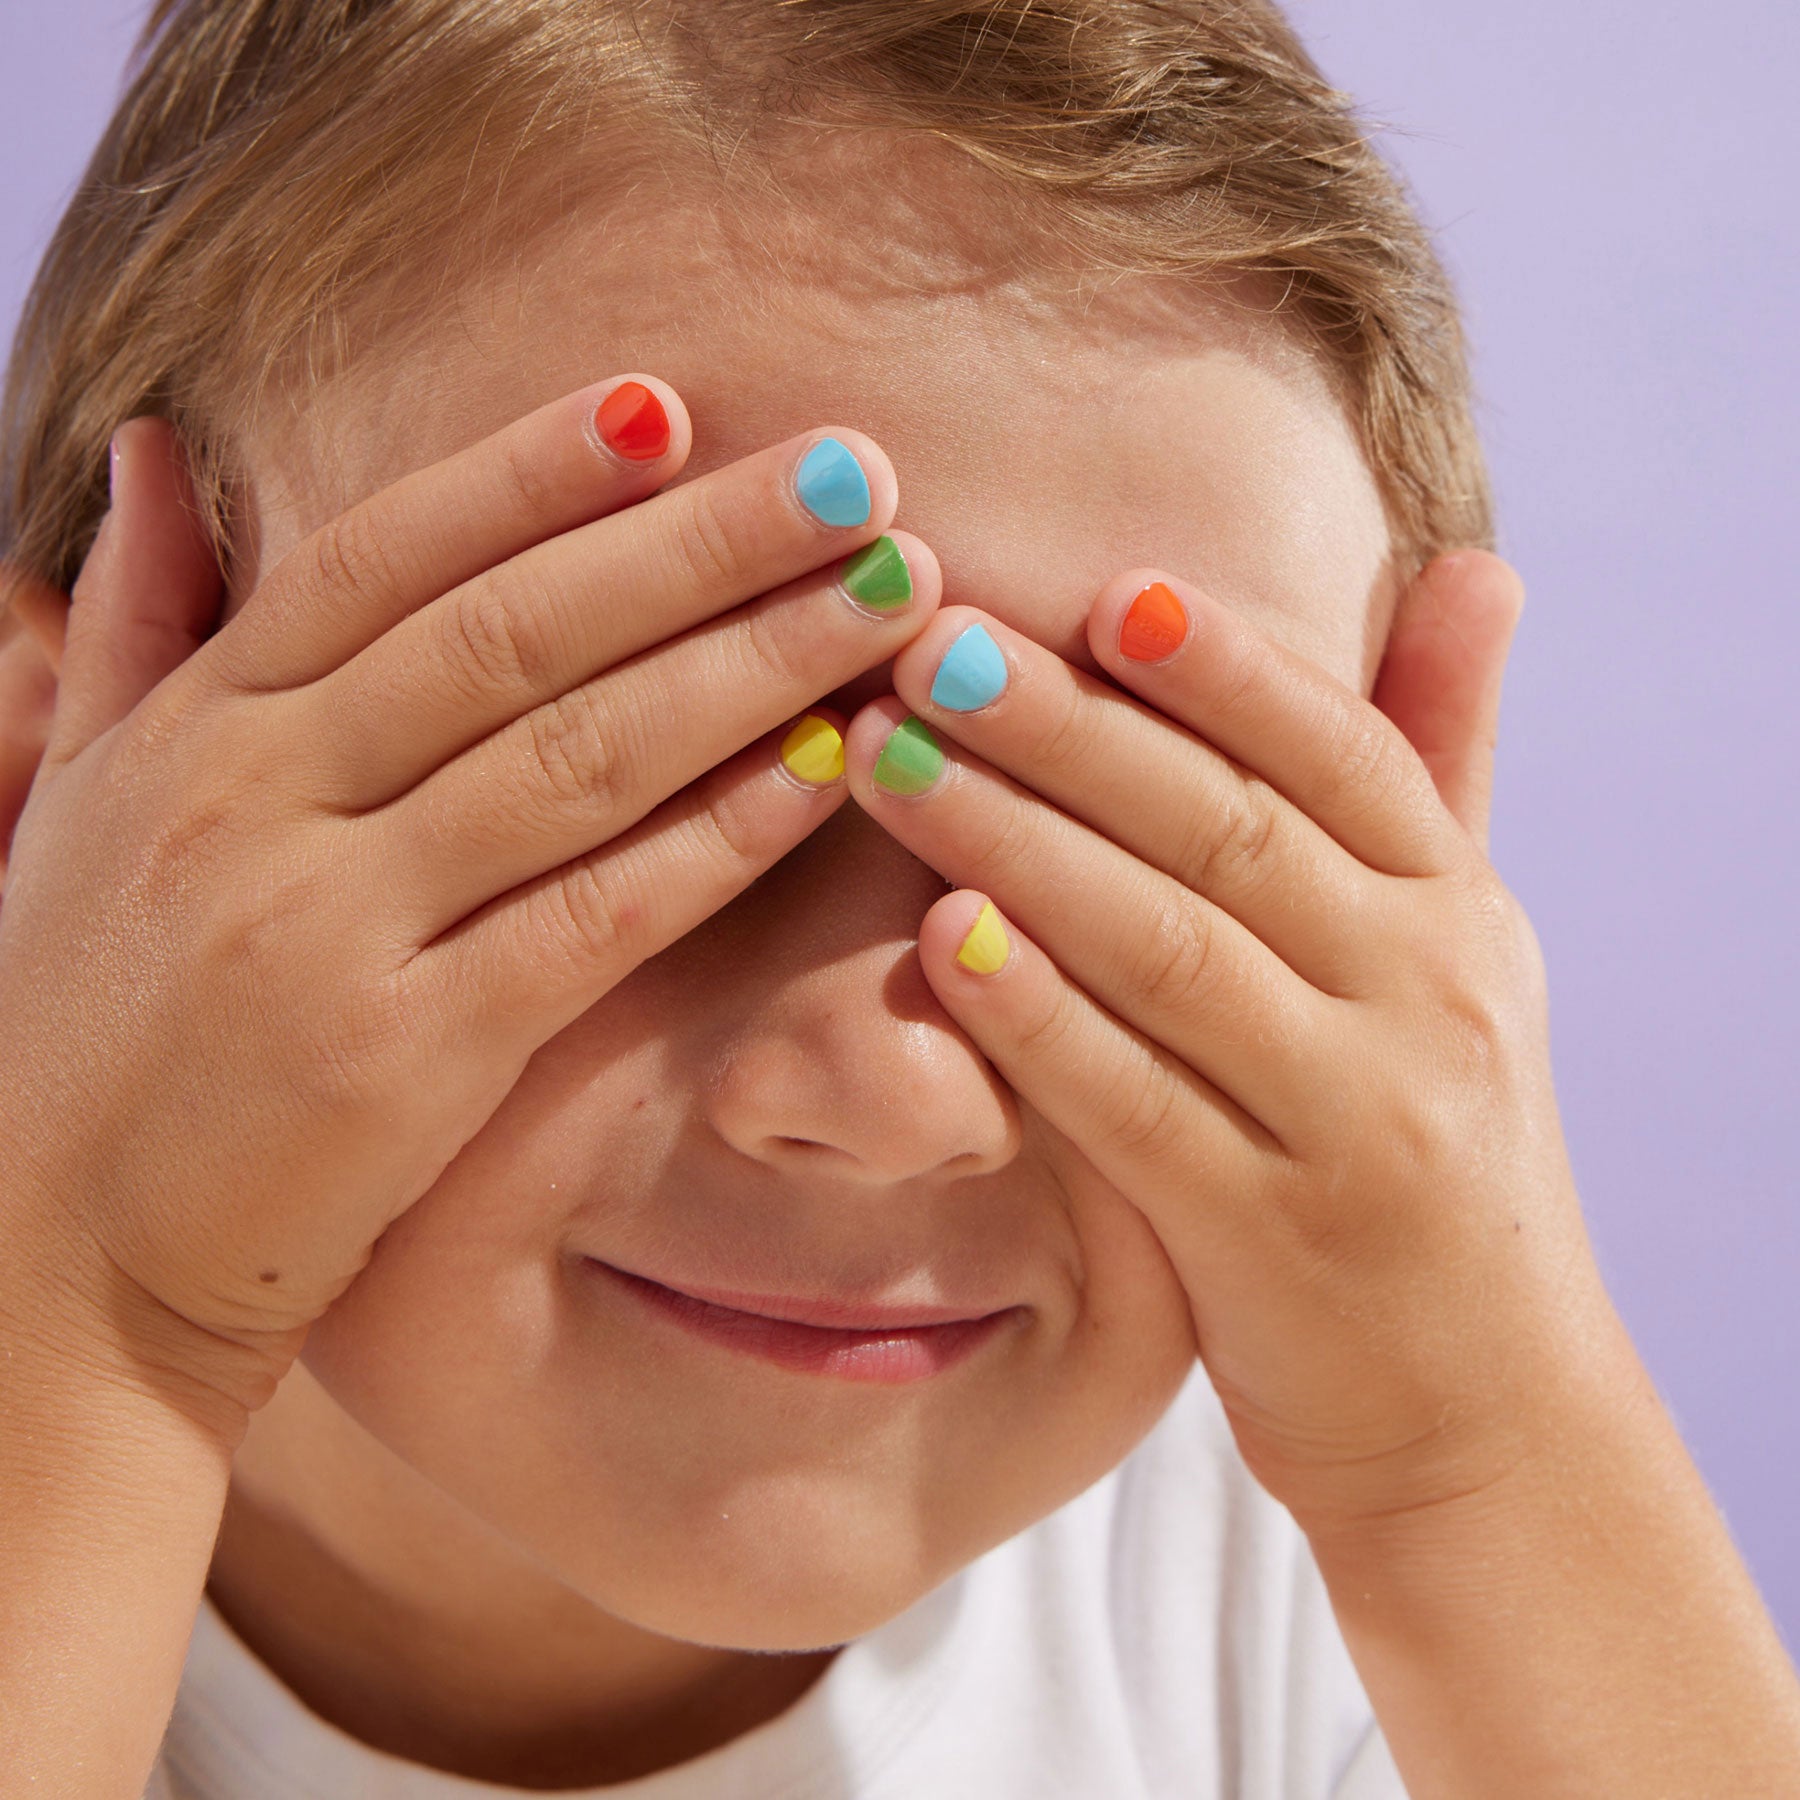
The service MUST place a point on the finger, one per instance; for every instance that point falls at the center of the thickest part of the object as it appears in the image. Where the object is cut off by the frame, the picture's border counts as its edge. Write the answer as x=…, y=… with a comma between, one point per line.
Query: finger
x=1151, y=786
x=1157, y=1131
x=1166, y=961
x=1234, y=1210
x=147, y=596
x=535, y=959
x=574, y=460
x=572, y=774
x=1441, y=675
x=1306, y=734
x=524, y=634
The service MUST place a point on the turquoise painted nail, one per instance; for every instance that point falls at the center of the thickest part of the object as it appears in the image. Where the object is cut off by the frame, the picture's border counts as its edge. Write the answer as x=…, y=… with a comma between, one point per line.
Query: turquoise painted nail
x=972, y=673
x=832, y=485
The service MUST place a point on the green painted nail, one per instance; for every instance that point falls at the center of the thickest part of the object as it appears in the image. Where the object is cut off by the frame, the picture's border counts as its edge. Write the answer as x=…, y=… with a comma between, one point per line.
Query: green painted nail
x=910, y=760
x=877, y=576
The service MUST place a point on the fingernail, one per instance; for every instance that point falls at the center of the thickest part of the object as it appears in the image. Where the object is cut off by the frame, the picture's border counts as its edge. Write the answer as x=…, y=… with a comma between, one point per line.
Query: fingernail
x=1155, y=627
x=877, y=576
x=910, y=761
x=832, y=485
x=632, y=421
x=814, y=751
x=972, y=673
x=987, y=946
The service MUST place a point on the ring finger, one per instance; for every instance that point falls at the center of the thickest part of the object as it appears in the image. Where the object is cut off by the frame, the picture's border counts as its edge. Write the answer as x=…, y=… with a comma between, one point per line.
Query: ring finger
x=1167, y=961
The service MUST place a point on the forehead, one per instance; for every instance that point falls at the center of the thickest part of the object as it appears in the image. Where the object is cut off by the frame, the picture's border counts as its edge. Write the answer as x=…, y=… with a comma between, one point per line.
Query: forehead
x=1047, y=430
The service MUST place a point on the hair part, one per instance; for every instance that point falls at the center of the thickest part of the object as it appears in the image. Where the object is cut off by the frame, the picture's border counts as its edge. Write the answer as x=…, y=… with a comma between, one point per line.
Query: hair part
x=280, y=174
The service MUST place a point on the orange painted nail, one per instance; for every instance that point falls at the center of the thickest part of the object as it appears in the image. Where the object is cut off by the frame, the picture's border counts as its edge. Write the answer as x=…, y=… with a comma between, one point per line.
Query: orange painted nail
x=1155, y=627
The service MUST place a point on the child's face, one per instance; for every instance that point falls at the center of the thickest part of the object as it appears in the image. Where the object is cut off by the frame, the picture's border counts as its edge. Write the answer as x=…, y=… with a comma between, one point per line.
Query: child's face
x=777, y=1104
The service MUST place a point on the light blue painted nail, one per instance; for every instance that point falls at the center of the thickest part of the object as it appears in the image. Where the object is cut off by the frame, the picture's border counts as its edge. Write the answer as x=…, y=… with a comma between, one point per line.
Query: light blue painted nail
x=972, y=673
x=832, y=485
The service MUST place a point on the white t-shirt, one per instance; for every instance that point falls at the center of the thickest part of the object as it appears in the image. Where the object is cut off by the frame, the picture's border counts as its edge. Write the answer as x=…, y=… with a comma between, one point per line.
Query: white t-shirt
x=1164, y=1636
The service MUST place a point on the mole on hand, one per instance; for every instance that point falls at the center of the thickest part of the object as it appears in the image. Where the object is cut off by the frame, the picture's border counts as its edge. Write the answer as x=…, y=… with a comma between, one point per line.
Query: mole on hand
x=269, y=1275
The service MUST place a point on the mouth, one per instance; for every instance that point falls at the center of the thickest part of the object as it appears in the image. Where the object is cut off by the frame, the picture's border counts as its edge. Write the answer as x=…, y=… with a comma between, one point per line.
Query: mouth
x=849, y=1340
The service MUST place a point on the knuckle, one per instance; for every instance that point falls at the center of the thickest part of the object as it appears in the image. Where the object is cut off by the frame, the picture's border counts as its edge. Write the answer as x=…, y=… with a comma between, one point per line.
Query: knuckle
x=574, y=749
x=1143, y=1108
x=706, y=541
x=735, y=831
x=1228, y=847
x=1041, y=1037
x=1362, y=774
x=1016, y=836
x=591, y=916
x=1234, y=689
x=777, y=653
x=527, y=484
x=1063, y=745
x=1175, y=962
x=1475, y=1036
x=492, y=650
x=352, y=554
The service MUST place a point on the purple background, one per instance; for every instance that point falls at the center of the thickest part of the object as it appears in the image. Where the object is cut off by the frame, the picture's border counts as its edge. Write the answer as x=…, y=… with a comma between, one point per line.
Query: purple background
x=1614, y=188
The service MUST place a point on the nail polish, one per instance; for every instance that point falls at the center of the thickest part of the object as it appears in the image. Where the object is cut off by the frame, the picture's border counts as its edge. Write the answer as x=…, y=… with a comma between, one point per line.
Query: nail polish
x=1155, y=627
x=814, y=751
x=972, y=673
x=987, y=946
x=910, y=761
x=632, y=421
x=831, y=484
x=877, y=577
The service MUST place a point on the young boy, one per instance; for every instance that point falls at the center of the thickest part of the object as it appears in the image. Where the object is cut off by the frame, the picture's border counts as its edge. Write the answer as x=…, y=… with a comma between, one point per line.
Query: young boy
x=540, y=1230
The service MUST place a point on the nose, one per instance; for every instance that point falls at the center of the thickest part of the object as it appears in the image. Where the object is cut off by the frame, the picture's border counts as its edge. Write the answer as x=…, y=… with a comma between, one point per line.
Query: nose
x=837, y=1060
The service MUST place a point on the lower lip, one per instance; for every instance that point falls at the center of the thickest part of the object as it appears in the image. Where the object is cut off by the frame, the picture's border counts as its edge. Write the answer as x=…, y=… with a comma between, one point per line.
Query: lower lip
x=884, y=1357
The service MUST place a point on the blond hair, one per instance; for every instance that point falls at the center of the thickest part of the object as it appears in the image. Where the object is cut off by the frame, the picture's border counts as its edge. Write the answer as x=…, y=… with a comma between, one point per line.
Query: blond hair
x=272, y=162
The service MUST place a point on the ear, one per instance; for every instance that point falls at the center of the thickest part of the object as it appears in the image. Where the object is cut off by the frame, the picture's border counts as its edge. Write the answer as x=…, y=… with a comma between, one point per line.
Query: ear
x=1441, y=674
x=40, y=609
x=31, y=644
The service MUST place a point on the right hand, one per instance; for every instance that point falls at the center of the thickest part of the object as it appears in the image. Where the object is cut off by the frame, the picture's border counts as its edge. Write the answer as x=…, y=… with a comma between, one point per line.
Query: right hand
x=291, y=906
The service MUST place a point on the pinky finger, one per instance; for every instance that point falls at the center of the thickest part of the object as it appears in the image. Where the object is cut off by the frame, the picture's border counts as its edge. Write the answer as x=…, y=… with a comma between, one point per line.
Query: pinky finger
x=1173, y=1144
x=146, y=598
x=534, y=959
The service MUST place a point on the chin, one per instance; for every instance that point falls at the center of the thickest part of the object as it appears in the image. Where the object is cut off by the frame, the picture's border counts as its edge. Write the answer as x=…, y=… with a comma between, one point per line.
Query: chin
x=779, y=1572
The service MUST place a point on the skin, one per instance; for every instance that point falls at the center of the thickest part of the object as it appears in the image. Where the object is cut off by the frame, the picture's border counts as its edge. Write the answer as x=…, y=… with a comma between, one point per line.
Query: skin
x=453, y=1464
x=1264, y=1072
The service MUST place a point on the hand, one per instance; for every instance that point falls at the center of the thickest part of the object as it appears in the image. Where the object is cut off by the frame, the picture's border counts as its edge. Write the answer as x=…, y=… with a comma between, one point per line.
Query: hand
x=1256, y=967
x=291, y=905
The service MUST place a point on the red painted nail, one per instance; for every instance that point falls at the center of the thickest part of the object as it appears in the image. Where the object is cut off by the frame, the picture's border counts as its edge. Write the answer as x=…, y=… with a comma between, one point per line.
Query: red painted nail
x=633, y=422
x=1155, y=627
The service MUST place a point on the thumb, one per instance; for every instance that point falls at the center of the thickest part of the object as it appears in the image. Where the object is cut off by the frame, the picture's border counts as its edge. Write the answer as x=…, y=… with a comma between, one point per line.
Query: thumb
x=1441, y=674
x=147, y=597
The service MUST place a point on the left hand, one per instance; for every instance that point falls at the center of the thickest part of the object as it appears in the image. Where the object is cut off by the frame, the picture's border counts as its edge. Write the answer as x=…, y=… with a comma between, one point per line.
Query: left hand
x=1260, y=972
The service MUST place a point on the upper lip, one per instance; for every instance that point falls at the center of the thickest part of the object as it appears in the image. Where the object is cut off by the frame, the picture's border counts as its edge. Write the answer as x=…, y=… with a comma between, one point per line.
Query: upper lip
x=830, y=1314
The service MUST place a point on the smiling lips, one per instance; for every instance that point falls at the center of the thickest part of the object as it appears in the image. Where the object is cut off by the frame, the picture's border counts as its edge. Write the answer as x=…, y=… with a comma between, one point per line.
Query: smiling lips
x=882, y=1344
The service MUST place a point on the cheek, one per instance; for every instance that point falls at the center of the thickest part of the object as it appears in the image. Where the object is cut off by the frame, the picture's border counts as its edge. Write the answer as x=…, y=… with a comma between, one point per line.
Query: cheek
x=1132, y=1343
x=699, y=1494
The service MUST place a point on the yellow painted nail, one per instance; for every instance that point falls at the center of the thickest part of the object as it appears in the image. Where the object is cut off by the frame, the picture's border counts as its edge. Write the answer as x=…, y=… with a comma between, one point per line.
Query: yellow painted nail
x=987, y=946
x=814, y=751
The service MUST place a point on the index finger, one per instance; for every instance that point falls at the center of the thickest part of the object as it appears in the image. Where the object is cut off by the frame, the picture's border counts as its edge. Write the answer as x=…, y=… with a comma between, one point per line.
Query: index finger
x=571, y=462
